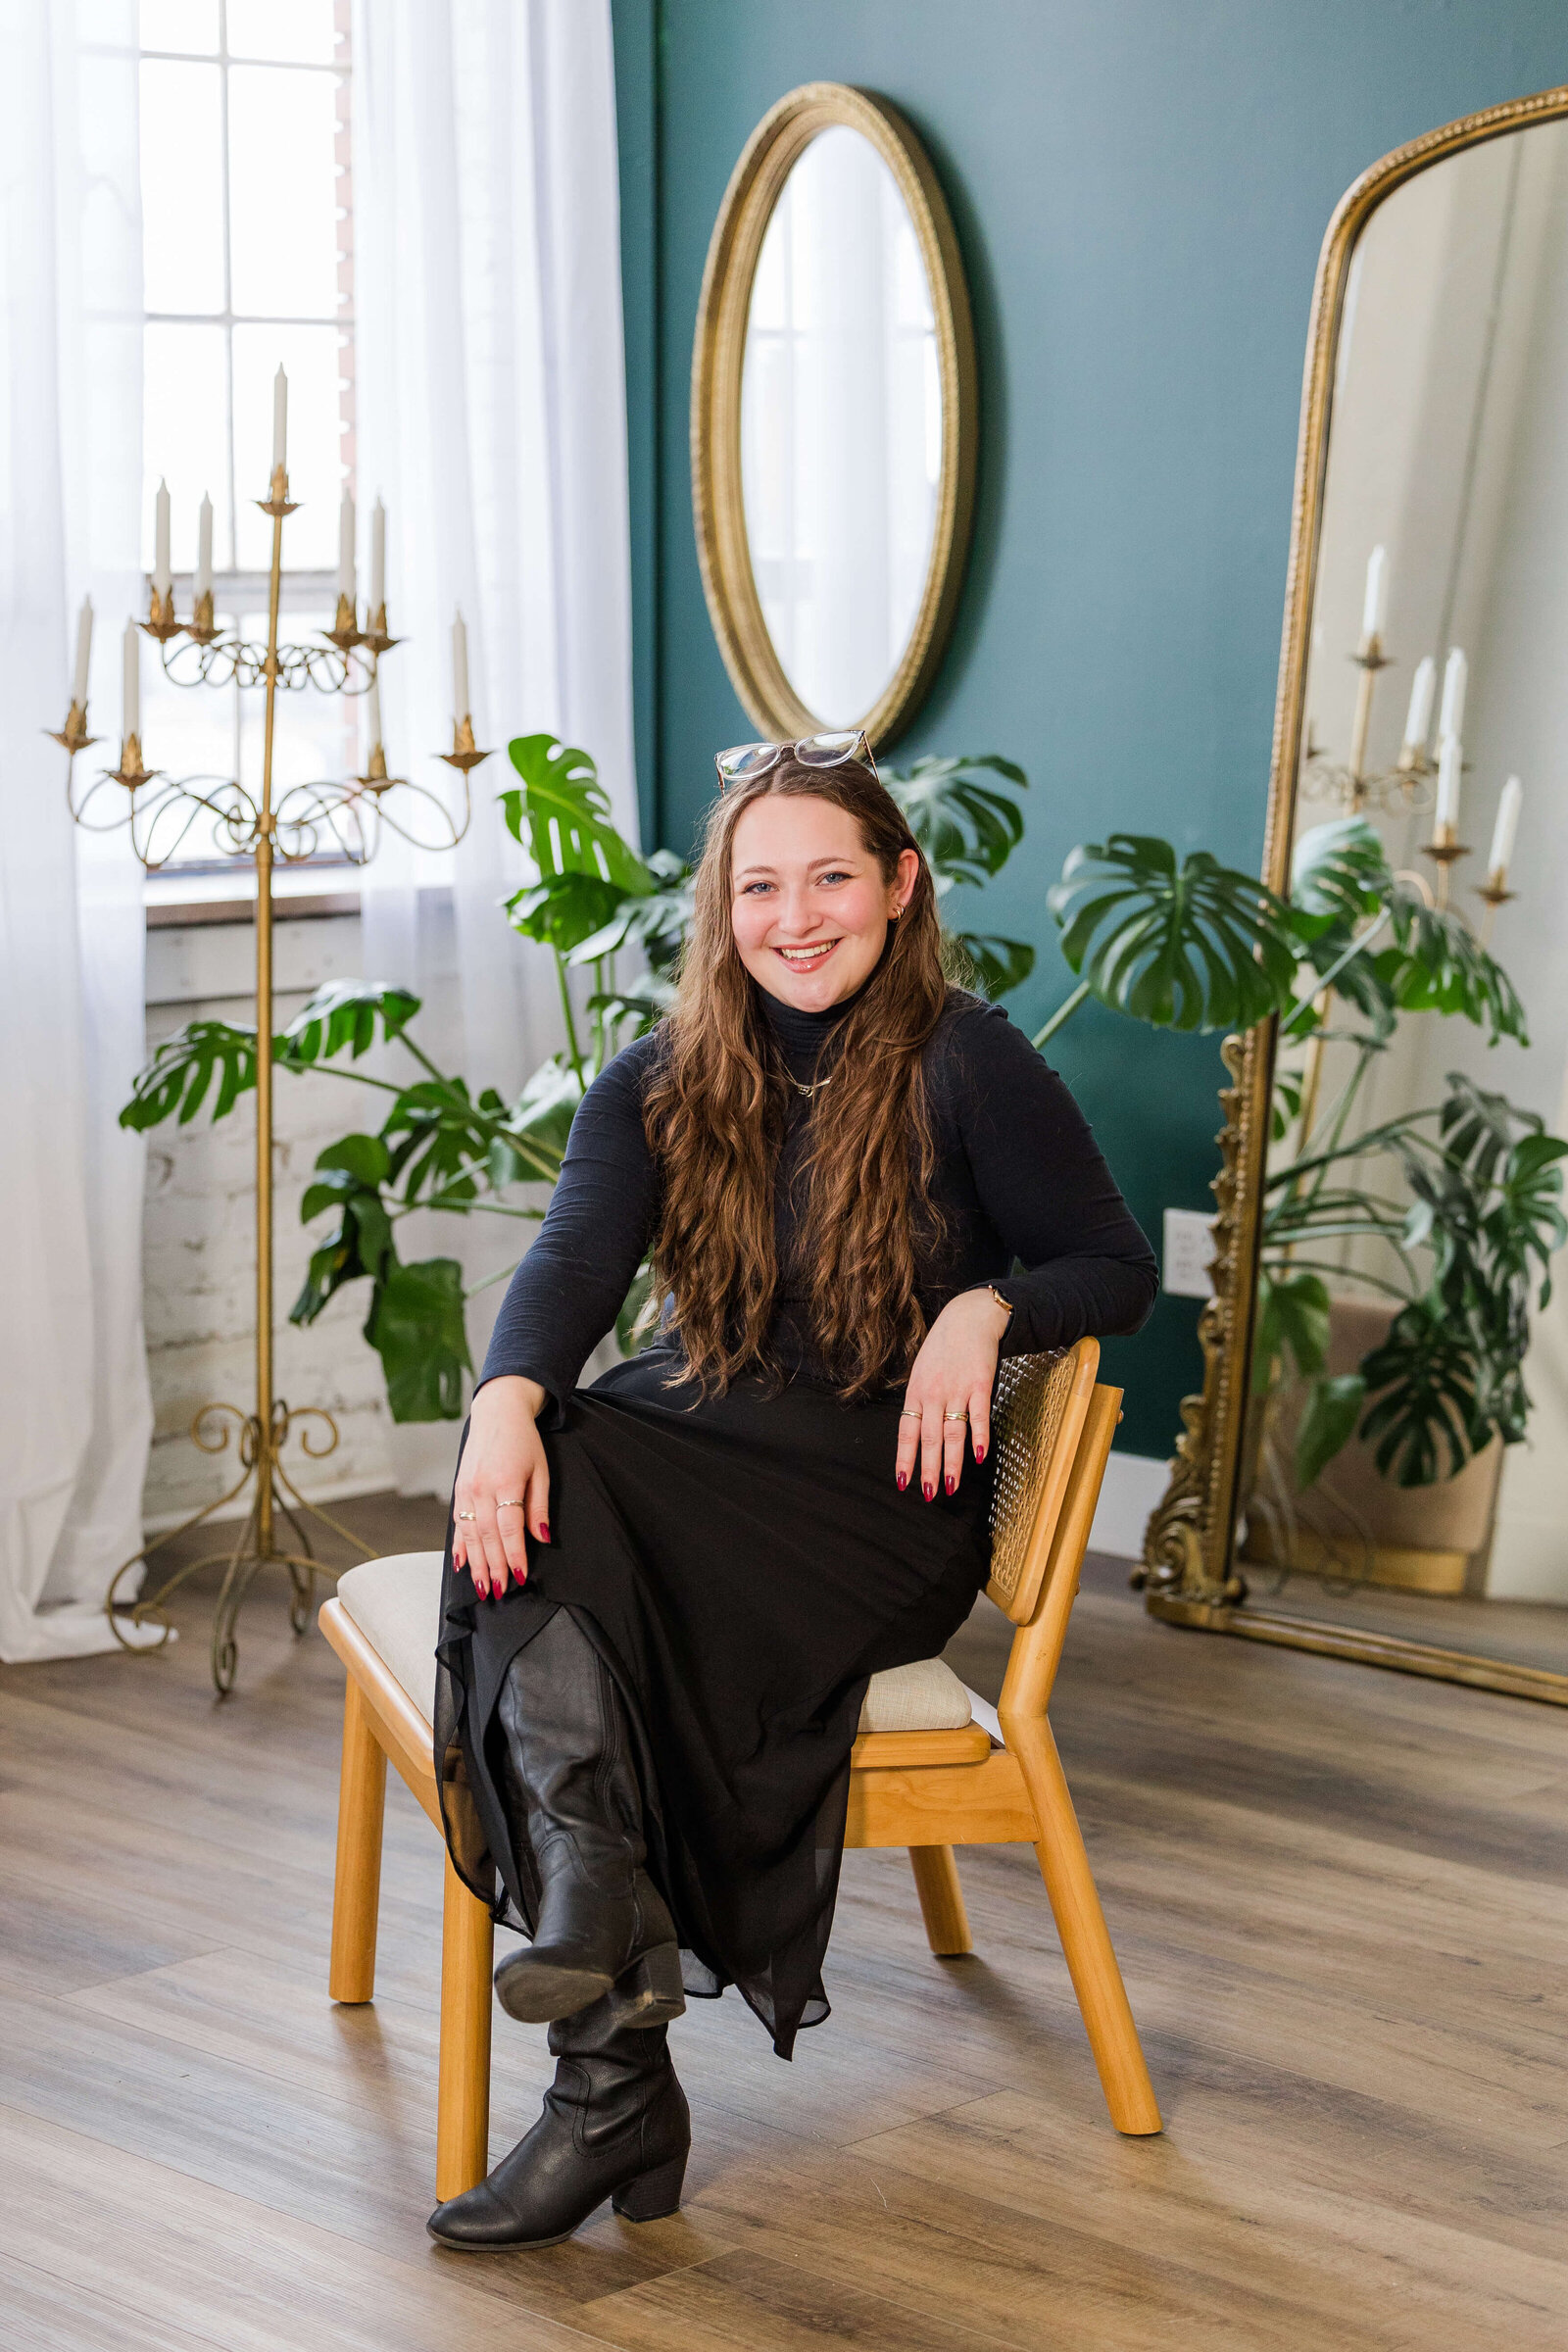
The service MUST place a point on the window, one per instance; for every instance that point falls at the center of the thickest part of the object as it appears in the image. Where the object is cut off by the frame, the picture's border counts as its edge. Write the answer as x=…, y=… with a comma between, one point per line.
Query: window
x=247, y=261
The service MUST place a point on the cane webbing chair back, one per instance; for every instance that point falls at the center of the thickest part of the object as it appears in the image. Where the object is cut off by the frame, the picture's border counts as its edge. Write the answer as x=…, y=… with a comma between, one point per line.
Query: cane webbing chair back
x=1037, y=1418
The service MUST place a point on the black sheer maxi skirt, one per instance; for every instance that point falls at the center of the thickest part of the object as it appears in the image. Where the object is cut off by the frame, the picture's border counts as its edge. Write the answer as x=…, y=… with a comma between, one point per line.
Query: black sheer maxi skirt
x=743, y=1565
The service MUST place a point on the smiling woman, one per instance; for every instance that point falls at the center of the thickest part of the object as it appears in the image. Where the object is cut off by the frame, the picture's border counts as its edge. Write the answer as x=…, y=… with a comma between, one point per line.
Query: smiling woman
x=664, y=1594
x=812, y=903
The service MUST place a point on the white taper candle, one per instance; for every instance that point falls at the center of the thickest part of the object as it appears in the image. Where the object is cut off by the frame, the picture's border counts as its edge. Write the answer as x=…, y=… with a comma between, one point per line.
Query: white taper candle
x=1450, y=766
x=162, y=577
x=460, y=667
x=1375, y=603
x=280, y=420
x=1418, y=718
x=1507, y=830
x=79, y=684
x=1456, y=678
x=345, y=548
x=372, y=713
x=377, y=557
x=131, y=701
x=204, y=547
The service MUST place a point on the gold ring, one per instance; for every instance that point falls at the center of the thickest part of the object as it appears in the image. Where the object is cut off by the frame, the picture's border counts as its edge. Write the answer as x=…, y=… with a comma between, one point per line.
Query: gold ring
x=911, y=1412
x=468, y=1514
x=955, y=1417
x=508, y=1502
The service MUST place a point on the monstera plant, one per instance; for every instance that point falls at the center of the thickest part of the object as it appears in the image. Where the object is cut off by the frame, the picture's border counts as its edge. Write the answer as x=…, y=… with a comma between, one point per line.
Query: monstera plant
x=1194, y=945
x=1463, y=1239
x=596, y=906
x=1461, y=1227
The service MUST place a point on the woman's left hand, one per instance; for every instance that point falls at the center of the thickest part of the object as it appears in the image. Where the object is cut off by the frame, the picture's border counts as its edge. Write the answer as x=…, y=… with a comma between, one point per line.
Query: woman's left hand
x=953, y=1375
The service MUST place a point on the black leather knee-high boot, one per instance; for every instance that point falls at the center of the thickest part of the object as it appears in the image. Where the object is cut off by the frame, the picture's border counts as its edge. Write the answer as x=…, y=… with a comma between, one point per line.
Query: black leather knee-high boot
x=572, y=1779
x=616, y=2124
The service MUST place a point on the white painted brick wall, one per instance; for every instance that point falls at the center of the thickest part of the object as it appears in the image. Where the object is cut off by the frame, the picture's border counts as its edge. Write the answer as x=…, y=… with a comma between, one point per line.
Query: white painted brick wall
x=199, y=1230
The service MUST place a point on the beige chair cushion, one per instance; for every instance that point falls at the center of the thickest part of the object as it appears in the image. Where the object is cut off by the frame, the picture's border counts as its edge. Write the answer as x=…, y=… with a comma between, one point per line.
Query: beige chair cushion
x=924, y=1698
x=395, y=1603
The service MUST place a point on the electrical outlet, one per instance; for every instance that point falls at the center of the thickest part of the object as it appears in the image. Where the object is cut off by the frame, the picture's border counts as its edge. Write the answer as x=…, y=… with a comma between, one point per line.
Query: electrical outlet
x=1188, y=1246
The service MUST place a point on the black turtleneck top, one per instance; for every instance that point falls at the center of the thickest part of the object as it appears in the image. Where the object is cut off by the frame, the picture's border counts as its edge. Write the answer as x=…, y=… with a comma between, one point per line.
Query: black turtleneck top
x=1019, y=1180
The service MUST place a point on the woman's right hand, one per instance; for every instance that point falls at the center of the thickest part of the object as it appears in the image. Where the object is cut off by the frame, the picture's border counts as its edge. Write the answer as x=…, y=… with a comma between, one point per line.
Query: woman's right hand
x=503, y=1481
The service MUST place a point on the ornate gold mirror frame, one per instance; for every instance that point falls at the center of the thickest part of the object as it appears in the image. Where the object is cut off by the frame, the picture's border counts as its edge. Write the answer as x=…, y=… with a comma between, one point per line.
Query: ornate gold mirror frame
x=1189, y=1569
x=718, y=360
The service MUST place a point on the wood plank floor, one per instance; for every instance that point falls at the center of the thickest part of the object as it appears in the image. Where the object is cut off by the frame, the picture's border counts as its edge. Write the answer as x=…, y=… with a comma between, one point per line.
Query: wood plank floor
x=1338, y=1898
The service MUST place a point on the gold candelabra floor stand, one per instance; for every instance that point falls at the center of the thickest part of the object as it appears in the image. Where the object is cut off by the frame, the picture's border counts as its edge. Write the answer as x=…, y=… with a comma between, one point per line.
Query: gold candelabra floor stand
x=157, y=810
x=275, y=1502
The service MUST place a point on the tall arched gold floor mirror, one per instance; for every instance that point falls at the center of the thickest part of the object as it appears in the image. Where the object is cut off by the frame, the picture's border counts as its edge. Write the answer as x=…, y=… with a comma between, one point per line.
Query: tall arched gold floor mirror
x=1343, y=1484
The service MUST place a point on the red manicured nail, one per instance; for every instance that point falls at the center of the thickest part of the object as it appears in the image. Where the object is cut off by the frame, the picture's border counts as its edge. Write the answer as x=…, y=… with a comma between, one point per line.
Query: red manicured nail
x=544, y=1531
x=927, y=1490
x=904, y=1480
x=979, y=1454
x=952, y=1486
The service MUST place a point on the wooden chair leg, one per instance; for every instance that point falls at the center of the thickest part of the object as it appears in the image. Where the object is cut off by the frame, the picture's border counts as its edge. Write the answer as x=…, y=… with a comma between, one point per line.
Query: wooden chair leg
x=357, y=1889
x=463, y=2105
x=1086, y=1939
x=936, y=1881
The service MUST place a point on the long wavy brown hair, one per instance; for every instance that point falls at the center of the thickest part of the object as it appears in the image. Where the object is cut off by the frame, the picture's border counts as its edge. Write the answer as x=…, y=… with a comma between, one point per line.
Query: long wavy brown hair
x=715, y=1110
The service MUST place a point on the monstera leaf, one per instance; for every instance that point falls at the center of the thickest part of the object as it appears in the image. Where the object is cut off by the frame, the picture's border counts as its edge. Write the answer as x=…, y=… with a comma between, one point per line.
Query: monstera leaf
x=348, y=1175
x=646, y=1003
x=1328, y=1422
x=415, y=1325
x=181, y=1072
x=637, y=1320
x=541, y=1118
x=1285, y=1107
x=997, y=965
x=416, y=1320
x=566, y=909
x=1339, y=877
x=1195, y=945
x=1445, y=968
x=1293, y=1322
x=561, y=815
x=967, y=829
x=659, y=923
x=1477, y=1127
x=1338, y=874
x=436, y=1136
x=1423, y=1426
x=345, y=1013
x=1528, y=1221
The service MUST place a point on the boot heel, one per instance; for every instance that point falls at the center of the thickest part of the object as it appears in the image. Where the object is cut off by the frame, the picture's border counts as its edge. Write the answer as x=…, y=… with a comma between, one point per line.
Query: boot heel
x=653, y=2195
x=650, y=1992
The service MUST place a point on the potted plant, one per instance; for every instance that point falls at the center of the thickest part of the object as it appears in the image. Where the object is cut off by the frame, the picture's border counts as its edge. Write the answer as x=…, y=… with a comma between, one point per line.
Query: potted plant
x=442, y=1145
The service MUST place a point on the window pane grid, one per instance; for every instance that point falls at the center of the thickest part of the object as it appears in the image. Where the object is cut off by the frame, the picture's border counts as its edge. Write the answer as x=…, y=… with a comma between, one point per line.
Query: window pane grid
x=295, y=185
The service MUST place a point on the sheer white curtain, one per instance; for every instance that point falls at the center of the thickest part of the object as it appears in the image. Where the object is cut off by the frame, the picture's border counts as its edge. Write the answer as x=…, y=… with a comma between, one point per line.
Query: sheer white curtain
x=490, y=392
x=75, y=1415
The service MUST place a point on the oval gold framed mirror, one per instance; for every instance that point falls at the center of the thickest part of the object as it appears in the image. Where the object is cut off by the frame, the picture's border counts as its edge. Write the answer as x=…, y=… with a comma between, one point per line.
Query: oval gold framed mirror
x=833, y=425
x=1421, y=679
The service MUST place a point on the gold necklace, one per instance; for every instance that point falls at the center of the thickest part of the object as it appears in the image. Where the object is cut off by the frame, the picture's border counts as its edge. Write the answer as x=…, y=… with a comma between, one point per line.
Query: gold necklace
x=816, y=1086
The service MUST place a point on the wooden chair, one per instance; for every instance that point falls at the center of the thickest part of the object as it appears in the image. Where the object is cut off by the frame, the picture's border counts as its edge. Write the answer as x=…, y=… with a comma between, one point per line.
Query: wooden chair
x=929, y=1789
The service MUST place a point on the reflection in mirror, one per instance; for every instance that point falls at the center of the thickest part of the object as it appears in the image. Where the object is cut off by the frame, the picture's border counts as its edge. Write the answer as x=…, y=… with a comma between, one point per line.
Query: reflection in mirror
x=841, y=426
x=1407, y=1464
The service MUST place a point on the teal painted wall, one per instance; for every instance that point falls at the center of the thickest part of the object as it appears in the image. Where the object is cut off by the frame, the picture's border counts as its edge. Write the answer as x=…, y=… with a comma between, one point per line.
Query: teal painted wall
x=1140, y=187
